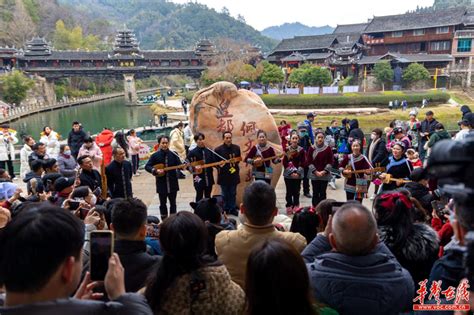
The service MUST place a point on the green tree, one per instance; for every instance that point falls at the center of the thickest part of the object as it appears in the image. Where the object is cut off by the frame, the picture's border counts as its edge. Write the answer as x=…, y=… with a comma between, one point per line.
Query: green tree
x=15, y=85
x=383, y=73
x=271, y=73
x=73, y=39
x=415, y=73
x=317, y=76
x=296, y=76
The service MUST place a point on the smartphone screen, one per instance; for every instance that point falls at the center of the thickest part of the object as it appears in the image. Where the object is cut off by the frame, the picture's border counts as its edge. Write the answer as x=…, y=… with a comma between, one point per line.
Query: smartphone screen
x=73, y=205
x=102, y=246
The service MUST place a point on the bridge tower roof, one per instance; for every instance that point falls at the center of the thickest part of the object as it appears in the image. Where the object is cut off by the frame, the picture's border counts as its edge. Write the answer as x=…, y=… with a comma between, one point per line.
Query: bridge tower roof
x=37, y=46
x=126, y=43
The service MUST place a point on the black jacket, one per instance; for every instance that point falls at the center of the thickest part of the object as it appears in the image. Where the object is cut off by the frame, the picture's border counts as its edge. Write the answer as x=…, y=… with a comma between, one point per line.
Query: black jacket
x=206, y=179
x=138, y=264
x=355, y=132
x=420, y=193
x=129, y=303
x=75, y=140
x=119, y=177
x=371, y=284
x=449, y=268
x=34, y=156
x=91, y=178
x=419, y=251
x=380, y=155
x=427, y=126
x=39, y=182
x=169, y=181
x=225, y=176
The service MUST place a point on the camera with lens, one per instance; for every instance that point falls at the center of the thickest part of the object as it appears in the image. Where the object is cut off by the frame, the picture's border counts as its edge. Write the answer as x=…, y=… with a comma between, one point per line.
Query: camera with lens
x=452, y=164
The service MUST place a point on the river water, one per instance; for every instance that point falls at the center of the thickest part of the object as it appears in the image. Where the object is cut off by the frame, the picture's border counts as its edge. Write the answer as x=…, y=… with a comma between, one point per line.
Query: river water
x=94, y=117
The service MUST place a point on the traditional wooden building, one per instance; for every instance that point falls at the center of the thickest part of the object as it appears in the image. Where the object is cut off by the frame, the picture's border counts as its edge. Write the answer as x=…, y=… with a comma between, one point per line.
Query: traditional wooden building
x=339, y=52
x=429, y=32
x=125, y=58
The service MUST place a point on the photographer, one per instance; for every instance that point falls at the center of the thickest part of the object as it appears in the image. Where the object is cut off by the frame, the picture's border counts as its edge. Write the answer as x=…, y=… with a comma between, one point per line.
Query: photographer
x=43, y=281
x=452, y=164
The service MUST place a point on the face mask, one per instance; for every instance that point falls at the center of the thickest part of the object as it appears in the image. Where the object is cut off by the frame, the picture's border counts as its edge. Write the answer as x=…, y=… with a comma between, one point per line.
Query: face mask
x=93, y=200
x=373, y=137
x=67, y=152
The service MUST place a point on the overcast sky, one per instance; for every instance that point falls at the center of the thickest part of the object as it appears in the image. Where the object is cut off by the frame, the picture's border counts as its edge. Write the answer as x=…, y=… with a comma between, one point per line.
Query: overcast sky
x=261, y=14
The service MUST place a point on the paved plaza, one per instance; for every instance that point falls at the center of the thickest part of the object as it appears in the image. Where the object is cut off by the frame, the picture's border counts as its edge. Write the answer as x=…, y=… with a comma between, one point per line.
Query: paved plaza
x=144, y=188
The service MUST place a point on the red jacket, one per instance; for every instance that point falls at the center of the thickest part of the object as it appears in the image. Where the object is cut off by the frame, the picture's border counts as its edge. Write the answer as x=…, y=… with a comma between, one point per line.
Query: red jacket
x=104, y=141
x=445, y=233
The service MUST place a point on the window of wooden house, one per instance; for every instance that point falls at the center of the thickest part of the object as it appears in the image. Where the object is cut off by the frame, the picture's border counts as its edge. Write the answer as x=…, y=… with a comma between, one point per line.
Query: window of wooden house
x=419, y=32
x=464, y=45
x=442, y=30
x=443, y=45
x=397, y=34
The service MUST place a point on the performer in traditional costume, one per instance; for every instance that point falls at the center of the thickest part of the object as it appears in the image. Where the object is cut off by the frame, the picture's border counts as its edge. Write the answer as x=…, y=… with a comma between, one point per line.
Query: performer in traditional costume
x=319, y=160
x=293, y=163
x=355, y=185
x=262, y=170
x=399, y=167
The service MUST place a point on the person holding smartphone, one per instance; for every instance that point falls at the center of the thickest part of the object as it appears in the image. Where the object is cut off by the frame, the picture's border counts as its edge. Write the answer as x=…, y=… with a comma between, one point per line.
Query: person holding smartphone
x=47, y=286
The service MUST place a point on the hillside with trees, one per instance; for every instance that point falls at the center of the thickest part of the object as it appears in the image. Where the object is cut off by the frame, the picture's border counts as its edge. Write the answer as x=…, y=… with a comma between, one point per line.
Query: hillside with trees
x=160, y=24
x=289, y=30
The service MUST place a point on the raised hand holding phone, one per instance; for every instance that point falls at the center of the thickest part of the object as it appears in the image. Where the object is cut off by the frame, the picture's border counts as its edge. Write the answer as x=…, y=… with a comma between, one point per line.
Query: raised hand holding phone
x=101, y=249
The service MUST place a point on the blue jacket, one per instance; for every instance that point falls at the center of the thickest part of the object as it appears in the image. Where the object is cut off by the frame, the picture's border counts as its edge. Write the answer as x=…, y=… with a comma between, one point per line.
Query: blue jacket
x=310, y=130
x=372, y=284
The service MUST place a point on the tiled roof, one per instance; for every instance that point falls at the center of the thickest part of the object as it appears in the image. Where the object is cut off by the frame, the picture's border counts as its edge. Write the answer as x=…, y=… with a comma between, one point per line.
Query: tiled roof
x=350, y=28
x=469, y=17
x=105, y=55
x=410, y=21
x=406, y=58
x=299, y=43
x=318, y=56
x=169, y=54
x=296, y=56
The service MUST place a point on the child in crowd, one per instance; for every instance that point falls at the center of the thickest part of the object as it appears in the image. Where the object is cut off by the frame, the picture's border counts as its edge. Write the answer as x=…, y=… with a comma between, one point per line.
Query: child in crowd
x=306, y=222
x=414, y=158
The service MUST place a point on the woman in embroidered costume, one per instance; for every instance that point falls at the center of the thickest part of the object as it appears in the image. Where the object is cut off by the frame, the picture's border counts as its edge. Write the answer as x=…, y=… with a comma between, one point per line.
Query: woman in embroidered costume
x=319, y=160
x=354, y=185
x=262, y=150
x=293, y=162
x=398, y=167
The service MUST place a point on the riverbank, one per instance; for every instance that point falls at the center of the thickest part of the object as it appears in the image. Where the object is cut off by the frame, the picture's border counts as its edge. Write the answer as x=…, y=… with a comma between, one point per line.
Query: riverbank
x=24, y=111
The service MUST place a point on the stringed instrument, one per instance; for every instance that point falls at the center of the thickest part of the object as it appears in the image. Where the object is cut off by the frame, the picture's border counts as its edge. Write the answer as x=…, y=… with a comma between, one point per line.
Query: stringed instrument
x=369, y=170
x=388, y=178
x=165, y=169
x=258, y=161
x=199, y=165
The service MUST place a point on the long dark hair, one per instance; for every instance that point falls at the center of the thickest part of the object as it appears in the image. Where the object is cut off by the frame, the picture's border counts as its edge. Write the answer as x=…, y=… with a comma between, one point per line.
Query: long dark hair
x=120, y=139
x=183, y=239
x=393, y=209
x=306, y=222
x=288, y=292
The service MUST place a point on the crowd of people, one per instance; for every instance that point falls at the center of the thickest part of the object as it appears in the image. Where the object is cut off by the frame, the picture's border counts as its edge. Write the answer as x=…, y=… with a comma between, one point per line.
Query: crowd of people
x=333, y=257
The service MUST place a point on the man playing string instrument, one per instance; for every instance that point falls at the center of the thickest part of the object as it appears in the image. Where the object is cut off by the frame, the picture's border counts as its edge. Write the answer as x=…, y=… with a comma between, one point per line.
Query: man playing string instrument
x=166, y=181
x=229, y=176
x=203, y=179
